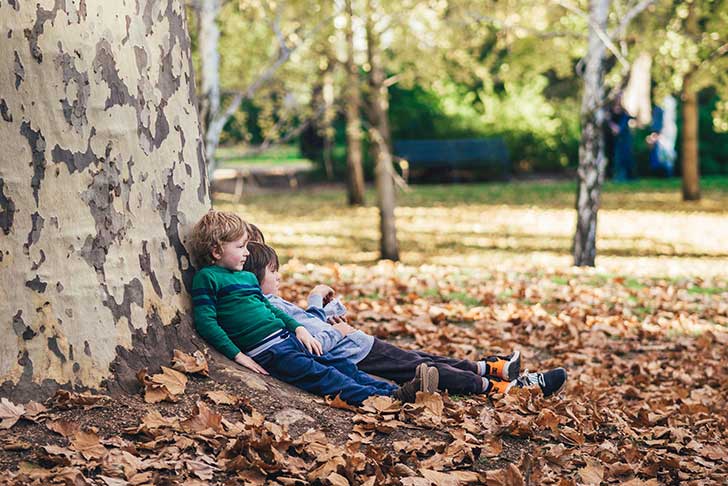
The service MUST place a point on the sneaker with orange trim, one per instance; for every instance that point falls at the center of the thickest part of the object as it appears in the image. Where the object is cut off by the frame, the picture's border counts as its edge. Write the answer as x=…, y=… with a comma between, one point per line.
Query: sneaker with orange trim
x=503, y=367
x=498, y=386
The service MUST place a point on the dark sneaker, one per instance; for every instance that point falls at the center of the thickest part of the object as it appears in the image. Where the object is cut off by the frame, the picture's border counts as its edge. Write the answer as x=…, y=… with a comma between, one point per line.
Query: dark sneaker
x=426, y=380
x=550, y=382
x=503, y=367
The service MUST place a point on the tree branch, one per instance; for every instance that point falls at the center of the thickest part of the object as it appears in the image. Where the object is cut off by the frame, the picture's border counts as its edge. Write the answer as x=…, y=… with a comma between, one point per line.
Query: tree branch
x=603, y=36
x=628, y=17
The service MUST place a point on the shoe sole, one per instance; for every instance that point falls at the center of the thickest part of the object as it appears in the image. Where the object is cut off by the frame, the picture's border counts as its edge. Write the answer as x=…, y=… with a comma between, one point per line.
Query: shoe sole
x=433, y=380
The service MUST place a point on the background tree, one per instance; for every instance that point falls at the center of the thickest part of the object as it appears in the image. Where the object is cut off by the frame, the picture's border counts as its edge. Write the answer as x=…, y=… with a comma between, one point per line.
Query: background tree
x=381, y=139
x=103, y=170
x=690, y=48
x=355, y=172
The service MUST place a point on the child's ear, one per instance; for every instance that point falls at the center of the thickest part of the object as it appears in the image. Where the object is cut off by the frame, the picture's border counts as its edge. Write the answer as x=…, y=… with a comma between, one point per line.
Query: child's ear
x=216, y=252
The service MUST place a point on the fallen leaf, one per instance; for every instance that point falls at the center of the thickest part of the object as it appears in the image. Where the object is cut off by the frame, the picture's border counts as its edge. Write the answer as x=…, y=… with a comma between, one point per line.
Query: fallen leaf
x=173, y=380
x=195, y=363
x=200, y=469
x=88, y=444
x=336, y=479
x=203, y=419
x=337, y=402
x=592, y=473
x=9, y=413
x=221, y=397
x=63, y=427
x=431, y=401
x=439, y=478
x=154, y=420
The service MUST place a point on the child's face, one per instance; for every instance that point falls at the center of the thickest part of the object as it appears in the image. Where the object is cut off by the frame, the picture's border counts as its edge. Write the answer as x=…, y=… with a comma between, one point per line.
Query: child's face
x=232, y=254
x=270, y=282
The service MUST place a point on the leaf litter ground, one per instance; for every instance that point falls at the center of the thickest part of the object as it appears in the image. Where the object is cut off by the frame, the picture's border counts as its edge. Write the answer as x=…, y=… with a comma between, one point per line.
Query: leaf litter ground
x=645, y=401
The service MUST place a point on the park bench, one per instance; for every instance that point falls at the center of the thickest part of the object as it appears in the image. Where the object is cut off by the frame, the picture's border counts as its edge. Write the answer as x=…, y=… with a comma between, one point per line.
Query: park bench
x=231, y=182
x=457, y=156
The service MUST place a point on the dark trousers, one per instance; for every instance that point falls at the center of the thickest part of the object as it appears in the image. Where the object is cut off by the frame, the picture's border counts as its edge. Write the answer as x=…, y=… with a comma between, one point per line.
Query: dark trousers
x=289, y=361
x=456, y=376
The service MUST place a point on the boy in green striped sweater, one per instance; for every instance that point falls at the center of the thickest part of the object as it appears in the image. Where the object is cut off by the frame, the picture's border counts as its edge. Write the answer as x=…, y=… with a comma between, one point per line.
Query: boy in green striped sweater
x=234, y=317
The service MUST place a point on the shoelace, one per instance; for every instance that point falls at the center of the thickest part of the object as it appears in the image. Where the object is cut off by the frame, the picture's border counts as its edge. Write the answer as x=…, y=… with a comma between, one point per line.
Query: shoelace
x=527, y=379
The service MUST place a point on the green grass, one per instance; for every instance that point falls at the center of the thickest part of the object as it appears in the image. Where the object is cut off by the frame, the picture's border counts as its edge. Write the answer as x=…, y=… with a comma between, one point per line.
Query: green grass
x=707, y=290
x=647, y=194
x=463, y=297
x=276, y=156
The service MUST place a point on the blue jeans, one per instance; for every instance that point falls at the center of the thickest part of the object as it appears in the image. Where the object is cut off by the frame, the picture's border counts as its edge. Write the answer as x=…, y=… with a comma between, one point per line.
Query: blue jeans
x=290, y=362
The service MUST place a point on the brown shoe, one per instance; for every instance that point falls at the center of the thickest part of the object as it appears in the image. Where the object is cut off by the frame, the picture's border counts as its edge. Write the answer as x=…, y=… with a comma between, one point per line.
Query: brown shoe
x=426, y=379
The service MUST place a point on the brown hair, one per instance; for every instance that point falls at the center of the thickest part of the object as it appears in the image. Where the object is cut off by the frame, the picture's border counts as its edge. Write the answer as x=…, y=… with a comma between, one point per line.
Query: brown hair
x=255, y=234
x=260, y=259
x=211, y=231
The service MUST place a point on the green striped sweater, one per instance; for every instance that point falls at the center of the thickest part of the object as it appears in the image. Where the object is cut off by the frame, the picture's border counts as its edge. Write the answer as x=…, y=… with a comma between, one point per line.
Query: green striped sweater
x=230, y=311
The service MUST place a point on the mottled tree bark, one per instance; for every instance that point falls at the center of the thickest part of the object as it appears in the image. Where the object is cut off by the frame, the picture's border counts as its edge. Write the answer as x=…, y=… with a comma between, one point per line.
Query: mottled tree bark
x=381, y=141
x=592, y=161
x=102, y=173
x=690, y=157
x=355, y=172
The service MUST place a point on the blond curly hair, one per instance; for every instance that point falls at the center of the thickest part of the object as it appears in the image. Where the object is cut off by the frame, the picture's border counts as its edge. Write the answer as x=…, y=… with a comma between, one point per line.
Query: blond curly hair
x=211, y=231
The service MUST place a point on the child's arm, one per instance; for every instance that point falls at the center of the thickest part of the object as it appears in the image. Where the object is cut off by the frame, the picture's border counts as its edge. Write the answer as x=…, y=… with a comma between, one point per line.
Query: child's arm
x=204, y=311
x=297, y=328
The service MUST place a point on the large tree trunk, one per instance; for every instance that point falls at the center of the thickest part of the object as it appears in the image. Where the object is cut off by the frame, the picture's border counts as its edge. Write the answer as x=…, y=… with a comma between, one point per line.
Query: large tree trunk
x=102, y=171
x=209, y=39
x=381, y=140
x=690, y=160
x=592, y=161
x=355, y=173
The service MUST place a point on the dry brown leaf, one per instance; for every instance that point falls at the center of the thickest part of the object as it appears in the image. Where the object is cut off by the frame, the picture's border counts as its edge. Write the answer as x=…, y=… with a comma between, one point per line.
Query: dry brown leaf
x=548, y=419
x=415, y=481
x=173, y=380
x=154, y=420
x=337, y=402
x=9, y=413
x=186, y=363
x=200, y=469
x=508, y=476
x=432, y=402
x=203, y=419
x=88, y=444
x=439, y=478
x=381, y=404
x=221, y=397
x=336, y=479
x=65, y=399
x=63, y=427
x=592, y=473
x=33, y=409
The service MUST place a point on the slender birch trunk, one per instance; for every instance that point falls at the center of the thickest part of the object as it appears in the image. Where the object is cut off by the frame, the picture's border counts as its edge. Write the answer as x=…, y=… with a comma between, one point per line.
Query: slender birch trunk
x=592, y=162
x=355, y=172
x=381, y=140
x=209, y=39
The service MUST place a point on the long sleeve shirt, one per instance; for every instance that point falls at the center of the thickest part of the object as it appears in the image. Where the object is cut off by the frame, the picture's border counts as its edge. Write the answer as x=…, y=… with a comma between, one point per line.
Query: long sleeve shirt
x=354, y=347
x=231, y=313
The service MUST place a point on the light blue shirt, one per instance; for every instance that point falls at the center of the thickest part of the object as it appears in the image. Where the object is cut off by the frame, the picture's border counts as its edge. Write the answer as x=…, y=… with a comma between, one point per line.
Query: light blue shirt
x=354, y=347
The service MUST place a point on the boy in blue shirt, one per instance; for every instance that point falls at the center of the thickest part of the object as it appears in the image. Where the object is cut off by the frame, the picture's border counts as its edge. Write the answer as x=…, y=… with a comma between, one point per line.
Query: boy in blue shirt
x=231, y=314
x=494, y=374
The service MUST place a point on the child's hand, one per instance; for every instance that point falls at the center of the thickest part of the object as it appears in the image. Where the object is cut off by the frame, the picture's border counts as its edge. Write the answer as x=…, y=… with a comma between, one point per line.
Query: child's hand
x=244, y=360
x=344, y=328
x=326, y=293
x=313, y=346
x=336, y=319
